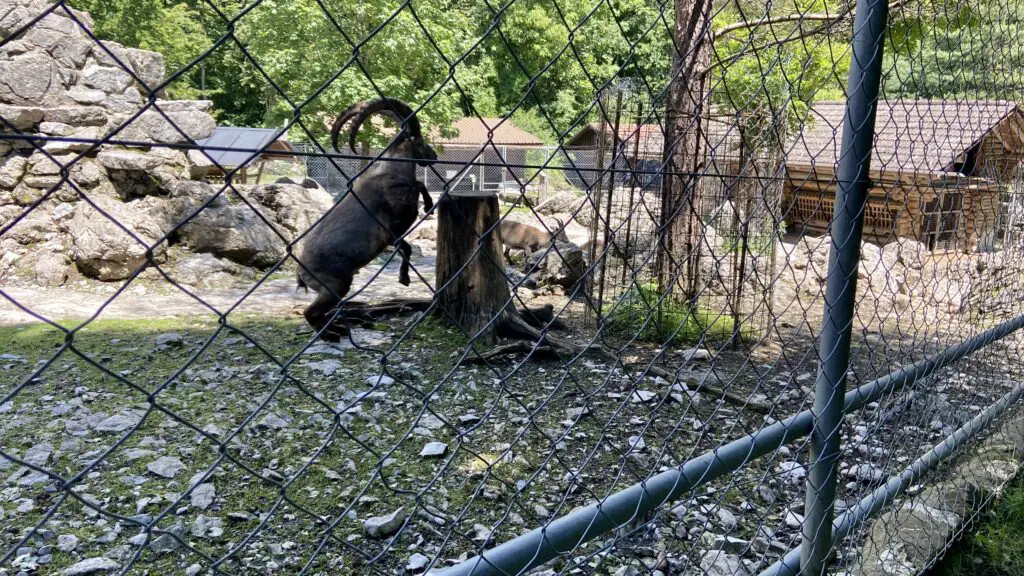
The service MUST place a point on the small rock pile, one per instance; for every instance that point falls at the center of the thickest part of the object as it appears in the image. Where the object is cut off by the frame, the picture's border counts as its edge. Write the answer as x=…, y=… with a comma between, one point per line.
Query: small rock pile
x=74, y=209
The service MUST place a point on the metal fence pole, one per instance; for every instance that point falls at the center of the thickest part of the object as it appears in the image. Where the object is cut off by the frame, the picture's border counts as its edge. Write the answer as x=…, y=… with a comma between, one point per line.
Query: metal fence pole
x=840, y=294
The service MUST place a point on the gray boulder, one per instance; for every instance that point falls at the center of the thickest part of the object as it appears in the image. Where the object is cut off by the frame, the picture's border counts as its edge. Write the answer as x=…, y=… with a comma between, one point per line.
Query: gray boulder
x=87, y=96
x=234, y=232
x=185, y=105
x=170, y=127
x=31, y=79
x=87, y=174
x=61, y=38
x=12, y=169
x=149, y=67
x=56, y=128
x=33, y=227
x=127, y=160
x=563, y=268
x=76, y=115
x=110, y=80
x=112, y=55
x=559, y=203
x=907, y=252
x=20, y=117
x=199, y=164
x=193, y=193
x=16, y=13
x=208, y=271
x=50, y=265
x=295, y=207
x=101, y=248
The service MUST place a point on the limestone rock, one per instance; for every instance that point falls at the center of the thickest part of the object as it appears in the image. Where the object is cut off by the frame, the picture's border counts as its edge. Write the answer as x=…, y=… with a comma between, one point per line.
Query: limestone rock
x=383, y=526
x=234, y=232
x=50, y=264
x=87, y=96
x=112, y=55
x=149, y=67
x=31, y=79
x=199, y=164
x=87, y=174
x=208, y=271
x=76, y=115
x=17, y=13
x=166, y=466
x=33, y=227
x=564, y=267
x=296, y=208
x=170, y=127
x=185, y=105
x=12, y=169
x=56, y=128
x=62, y=38
x=20, y=117
x=102, y=249
x=91, y=566
x=718, y=563
x=126, y=160
x=561, y=202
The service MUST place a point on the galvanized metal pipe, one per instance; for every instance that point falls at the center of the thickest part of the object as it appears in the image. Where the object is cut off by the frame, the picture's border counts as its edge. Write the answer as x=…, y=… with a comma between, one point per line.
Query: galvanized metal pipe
x=568, y=532
x=853, y=184
x=897, y=485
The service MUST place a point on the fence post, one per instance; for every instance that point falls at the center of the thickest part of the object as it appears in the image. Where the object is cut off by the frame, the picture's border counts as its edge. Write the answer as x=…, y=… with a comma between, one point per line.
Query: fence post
x=841, y=289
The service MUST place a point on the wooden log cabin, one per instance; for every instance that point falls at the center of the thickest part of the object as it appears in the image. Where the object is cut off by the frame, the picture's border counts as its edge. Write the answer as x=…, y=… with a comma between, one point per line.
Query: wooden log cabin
x=942, y=172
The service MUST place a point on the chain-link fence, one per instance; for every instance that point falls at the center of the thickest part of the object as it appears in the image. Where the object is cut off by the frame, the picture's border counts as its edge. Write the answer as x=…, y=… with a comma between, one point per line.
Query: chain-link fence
x=717, y=288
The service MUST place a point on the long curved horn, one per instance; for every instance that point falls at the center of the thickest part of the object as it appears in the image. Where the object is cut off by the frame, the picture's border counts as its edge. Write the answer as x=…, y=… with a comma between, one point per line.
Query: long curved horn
x=395, y=108
x=340, y=122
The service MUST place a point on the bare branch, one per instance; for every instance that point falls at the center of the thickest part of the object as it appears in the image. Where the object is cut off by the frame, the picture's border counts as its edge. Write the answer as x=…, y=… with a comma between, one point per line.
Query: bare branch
x=809, y=17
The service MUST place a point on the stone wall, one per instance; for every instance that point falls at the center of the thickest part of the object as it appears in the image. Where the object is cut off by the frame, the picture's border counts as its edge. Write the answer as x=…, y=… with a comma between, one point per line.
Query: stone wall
x=70, y=209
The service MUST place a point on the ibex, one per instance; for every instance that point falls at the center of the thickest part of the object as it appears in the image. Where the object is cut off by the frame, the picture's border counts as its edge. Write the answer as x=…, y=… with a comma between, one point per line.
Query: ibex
x=528, y=238
x=377, y=212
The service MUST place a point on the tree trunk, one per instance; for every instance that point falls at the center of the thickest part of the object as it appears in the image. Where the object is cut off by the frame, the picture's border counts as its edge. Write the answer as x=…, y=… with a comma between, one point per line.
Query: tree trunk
x=471, y=295
x=688, y=100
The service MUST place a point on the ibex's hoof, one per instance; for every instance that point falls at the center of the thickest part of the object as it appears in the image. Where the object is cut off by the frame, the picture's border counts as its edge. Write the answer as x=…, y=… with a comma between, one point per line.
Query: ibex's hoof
x=333, y=334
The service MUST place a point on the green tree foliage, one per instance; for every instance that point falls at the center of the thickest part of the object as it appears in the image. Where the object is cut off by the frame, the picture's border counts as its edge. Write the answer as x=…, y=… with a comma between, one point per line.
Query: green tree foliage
x=540, y=59
x=972, y=52
x=768, y=72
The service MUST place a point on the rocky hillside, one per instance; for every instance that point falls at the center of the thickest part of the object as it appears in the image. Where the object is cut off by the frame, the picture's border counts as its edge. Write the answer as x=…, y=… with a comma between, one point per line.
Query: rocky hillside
x=74, y=209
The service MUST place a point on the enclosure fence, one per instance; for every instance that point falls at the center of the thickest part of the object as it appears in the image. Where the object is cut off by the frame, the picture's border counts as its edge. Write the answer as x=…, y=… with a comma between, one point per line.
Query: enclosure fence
x=753, y=308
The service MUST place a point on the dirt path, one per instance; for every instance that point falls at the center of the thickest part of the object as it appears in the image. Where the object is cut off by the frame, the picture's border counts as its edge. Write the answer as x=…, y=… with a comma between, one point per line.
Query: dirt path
x=275, y=297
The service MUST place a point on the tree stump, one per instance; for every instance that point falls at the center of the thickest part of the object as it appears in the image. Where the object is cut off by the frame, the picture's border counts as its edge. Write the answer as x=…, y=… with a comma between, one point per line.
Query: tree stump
x=473, y=292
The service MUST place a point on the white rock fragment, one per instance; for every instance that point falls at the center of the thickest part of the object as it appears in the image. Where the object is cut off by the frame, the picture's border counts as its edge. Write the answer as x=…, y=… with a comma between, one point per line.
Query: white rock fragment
x=383, y=526
x=695, y=354
x=166, y=466
x=434, y=450
x=91, y=566
x=417, y=562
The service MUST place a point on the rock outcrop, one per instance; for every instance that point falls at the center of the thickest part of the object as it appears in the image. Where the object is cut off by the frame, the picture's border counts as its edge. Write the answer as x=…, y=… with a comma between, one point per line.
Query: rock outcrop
x=77, y=205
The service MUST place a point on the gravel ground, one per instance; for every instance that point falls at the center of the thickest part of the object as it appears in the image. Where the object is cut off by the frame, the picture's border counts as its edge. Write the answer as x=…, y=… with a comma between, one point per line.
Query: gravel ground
x=181, y=445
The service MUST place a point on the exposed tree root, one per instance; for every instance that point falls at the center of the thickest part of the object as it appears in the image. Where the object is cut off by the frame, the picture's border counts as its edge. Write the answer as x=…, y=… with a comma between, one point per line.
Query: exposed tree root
x=525, y=326
x=364, y=311
x=517, y=328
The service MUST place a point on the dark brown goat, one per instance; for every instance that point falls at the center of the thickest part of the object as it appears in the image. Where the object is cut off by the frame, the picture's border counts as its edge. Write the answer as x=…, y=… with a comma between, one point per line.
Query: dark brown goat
x=376, y=213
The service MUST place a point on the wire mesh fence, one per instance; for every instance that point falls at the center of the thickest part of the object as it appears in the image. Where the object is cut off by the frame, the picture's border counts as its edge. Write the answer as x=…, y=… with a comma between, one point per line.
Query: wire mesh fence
x=747, y=303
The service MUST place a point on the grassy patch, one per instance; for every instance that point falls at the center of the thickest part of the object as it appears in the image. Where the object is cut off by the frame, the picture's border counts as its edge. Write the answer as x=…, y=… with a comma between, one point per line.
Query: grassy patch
x=996, y=546
x=642, y=311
